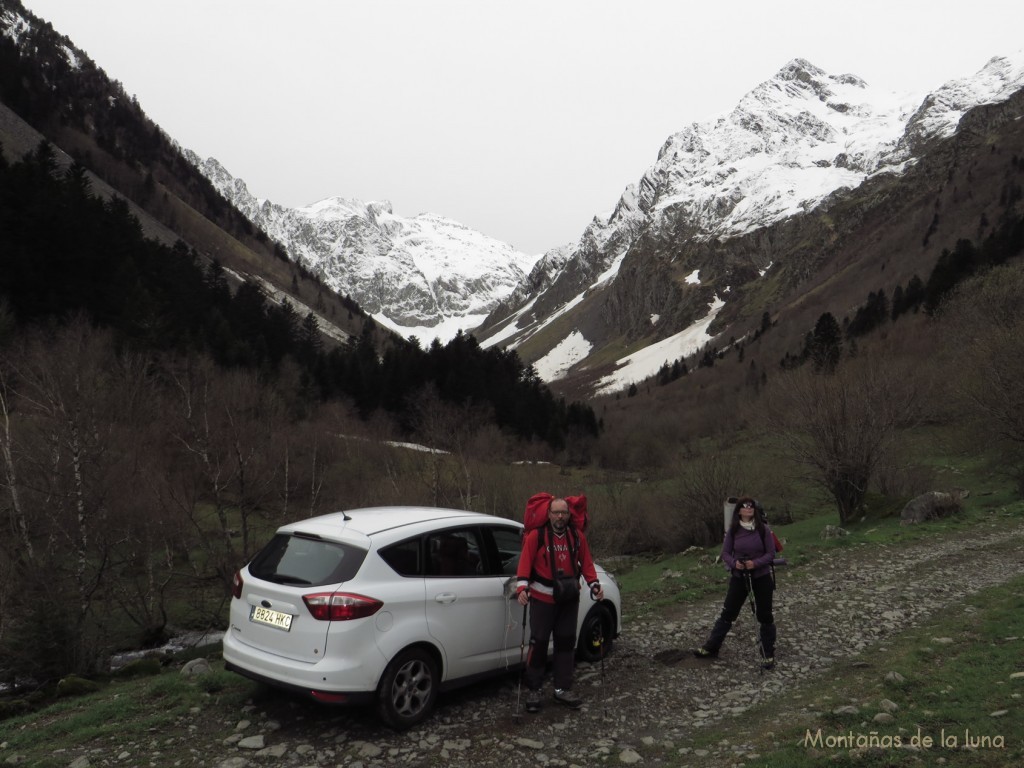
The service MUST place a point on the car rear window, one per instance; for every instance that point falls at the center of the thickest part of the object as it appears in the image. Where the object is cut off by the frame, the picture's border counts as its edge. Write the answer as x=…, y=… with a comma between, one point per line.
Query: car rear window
x=306, y=560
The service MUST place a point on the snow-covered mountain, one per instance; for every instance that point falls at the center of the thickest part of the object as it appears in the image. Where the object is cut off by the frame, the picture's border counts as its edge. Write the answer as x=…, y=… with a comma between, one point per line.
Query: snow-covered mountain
x=790, y=146
x=426, y=276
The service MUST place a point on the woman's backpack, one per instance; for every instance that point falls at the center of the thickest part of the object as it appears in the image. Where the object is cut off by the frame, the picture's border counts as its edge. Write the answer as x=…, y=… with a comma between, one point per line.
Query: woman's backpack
x=730, y=505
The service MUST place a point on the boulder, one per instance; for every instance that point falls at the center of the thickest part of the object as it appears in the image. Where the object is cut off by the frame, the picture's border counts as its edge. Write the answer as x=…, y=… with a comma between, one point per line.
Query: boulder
x=73, y=685
x=196, y=668
x=833, y=532
x=931, y=506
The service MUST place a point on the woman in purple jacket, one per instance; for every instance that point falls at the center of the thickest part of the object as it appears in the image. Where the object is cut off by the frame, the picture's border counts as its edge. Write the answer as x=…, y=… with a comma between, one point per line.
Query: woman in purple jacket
x=748, y=552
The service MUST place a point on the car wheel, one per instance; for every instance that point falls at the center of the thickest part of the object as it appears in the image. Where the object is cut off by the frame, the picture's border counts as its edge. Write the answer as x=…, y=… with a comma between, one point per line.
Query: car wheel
x=408, y=688
x=595, y=635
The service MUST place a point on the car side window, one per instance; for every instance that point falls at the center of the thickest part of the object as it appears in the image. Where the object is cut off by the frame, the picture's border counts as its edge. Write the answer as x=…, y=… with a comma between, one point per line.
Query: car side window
x=404, y=558
x=508, y=543
x=454, y=552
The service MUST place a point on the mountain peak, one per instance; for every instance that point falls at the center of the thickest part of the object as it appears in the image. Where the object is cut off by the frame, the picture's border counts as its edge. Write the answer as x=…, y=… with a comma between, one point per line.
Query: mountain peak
x=340, y=208
x=939, y=113
x=801, y=70
x=787, y=145
x=802, y=77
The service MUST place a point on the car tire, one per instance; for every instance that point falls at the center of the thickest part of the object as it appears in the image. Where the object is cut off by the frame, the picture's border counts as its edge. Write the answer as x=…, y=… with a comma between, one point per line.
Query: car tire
x=408, y=689
x=596, y=632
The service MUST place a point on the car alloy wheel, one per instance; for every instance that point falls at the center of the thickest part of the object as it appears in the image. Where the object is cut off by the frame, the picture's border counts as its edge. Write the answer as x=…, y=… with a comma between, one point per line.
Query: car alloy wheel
x=408, y=688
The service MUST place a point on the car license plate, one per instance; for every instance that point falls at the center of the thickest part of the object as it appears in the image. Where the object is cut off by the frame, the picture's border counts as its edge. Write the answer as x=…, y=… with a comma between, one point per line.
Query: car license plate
x=271, y=618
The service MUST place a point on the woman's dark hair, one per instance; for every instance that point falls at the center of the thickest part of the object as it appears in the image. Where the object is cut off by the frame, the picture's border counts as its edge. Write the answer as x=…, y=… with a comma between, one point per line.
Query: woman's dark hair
x=758, y=522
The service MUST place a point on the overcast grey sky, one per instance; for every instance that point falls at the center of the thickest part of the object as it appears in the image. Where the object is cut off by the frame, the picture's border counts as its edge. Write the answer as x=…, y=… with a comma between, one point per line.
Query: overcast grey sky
x=519, y=119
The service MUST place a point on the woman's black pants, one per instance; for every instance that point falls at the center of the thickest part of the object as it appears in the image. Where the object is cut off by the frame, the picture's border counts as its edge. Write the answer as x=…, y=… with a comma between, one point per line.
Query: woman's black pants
x=739, y=585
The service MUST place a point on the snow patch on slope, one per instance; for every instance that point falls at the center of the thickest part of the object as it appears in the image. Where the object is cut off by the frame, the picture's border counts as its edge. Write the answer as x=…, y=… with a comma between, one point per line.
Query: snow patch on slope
x=645, y=363
x=556, y=363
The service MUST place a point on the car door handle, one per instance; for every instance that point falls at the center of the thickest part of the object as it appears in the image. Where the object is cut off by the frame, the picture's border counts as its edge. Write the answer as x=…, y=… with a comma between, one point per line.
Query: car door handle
x=445, y=598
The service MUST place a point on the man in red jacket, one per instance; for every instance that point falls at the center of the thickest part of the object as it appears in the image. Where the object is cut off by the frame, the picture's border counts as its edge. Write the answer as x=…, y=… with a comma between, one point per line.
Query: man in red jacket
x=554, y=557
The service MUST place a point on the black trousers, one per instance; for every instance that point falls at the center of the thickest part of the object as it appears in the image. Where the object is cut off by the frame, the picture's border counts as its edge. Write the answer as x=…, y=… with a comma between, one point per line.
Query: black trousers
x=739, y=589
x=545, y=619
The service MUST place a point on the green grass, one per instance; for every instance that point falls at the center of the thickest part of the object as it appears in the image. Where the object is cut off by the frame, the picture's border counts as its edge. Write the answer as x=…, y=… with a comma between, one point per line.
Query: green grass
x=658, y=582
x=121, y=711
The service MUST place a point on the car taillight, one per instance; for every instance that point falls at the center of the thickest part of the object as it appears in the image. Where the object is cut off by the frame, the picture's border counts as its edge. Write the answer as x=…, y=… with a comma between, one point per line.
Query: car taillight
x=340, y=606
x=236, y=585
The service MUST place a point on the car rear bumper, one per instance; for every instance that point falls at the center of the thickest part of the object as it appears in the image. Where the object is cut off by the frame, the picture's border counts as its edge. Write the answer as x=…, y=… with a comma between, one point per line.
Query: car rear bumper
x=343, y=698
x=351, y=677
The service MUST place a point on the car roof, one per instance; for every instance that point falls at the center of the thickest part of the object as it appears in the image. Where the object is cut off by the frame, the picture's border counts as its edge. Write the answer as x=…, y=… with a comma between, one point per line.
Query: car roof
x=367, y=522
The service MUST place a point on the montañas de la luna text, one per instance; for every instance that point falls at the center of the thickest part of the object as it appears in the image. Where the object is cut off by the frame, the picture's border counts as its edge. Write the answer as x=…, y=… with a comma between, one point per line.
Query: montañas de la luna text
x=874, y=739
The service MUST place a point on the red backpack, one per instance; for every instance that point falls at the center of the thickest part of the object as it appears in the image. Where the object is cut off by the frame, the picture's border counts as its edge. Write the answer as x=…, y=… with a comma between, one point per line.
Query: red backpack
x=536, y=516
x=537, y=507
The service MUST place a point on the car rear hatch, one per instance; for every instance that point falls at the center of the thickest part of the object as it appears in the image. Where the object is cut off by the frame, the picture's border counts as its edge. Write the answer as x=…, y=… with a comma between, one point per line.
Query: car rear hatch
x=272, y=615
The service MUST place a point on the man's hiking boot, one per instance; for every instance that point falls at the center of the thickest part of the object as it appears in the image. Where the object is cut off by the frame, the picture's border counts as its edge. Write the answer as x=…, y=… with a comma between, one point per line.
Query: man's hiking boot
x=768, y=662
x=568, y=698
x=533, y=701
x=704, y=653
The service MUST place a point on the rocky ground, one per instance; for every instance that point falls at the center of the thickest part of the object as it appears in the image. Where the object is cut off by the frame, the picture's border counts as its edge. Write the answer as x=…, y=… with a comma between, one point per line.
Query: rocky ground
x=650, y=697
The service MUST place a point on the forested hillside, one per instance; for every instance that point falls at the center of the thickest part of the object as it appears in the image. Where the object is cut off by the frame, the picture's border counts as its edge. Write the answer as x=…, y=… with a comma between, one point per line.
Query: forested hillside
x=166, y=402
x=68, y=252
x=154, y=424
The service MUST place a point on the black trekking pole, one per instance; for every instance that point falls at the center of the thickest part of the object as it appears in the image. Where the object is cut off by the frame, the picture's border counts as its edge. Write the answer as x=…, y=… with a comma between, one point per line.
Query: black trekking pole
x=757, y=626
x=600, y=645
x=522, y=667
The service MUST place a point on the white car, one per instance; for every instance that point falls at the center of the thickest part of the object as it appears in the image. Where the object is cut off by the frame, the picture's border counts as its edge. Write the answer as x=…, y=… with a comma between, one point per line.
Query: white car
x=391, y=605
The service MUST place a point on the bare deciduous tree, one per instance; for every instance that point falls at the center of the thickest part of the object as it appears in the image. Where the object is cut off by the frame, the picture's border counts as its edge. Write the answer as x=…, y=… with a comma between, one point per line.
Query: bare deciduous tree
x=18, y=525
x=986, y=323
x=232, y=427
x=704, y=484
x=450, y=429
x=838, y=426
x=74, y=468
x=144, y=533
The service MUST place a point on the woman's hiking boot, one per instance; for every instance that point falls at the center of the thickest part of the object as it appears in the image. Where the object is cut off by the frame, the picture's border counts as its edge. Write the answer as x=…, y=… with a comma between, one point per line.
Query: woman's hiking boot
x=567, y=698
